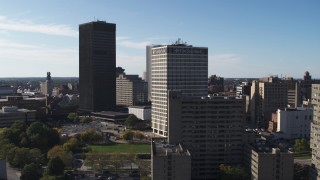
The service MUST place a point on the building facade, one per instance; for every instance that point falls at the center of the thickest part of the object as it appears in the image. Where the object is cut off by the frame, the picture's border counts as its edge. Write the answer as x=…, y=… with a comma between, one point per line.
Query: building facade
x=244, y=89
x=6, y=90
x=266, y=163
x=175, y=67
x=170, y=162
x=148, y=70
x=294, y=123
x=267, y=95
x=211, y=128
x=47, y=85
x=38, y=104
x=315, y=133
x=215, y=84
x=131, y=90
x=10, y=114
x=97, y=66
x=141, y=112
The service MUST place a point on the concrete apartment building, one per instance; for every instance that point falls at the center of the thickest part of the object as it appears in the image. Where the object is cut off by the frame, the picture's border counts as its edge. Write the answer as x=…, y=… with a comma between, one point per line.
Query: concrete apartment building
x=97, y=66
x=267, y=95
x=131, y=90
x=306, y=86
x=10, y=114
x=294, y=123
x=215, y=84
x=244, y=89
x=294, y=93
x=210, y=127
x=170, y=162
x=300, y=90
x=175, y=67
x=315, y=131
x=266, y=163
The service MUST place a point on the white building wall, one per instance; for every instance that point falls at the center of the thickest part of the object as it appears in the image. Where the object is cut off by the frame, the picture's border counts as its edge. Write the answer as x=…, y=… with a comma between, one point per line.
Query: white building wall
x=294, y=123
x=140, y=112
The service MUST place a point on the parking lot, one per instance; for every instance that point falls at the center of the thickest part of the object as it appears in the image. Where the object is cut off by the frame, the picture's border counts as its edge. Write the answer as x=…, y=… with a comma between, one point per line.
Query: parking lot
x=70, y=129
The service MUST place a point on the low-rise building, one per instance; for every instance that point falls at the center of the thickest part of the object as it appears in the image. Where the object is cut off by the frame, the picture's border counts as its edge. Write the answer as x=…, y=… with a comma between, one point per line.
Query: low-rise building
x=10, y=114
x=170, y=162
x=6, y=90
x=292, y=123
x=111, y=116
x=273, y=123
x=38, y=103
x=142, y=112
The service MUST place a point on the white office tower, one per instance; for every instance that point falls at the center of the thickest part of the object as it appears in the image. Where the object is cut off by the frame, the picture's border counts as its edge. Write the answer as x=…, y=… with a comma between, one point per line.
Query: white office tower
x=176, y=67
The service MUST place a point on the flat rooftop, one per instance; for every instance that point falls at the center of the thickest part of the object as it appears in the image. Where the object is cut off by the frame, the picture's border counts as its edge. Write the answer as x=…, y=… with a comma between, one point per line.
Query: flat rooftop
x=110, y=113
x=140, y=107
x=164, y=149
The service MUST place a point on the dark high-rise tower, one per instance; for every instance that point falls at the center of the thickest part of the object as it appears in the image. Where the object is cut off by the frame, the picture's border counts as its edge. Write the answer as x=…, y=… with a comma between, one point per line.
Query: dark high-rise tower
x=97, y=66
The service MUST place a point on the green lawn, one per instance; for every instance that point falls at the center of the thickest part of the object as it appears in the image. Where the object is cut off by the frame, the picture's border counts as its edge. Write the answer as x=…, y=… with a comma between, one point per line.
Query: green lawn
x=302, y=157
x=306, y=155
x=121, y=148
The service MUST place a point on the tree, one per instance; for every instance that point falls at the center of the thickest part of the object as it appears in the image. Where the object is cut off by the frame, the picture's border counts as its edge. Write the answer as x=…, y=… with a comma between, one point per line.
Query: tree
x=85, y=119
x=55, y=167
x=301, y=171
x=30, y=172
x=138, y=135
x=64, y=155
x=131, y=157
x=13, y=134
x=117, y=160
x=46, y=177
x=5, y=147
x=91, y=136
x=41, y=136
x=127, y=135
x=19, y=157
x=301, y=145
x=232, y=173
x=73, y=117
x=131, y=121
x=71, y=145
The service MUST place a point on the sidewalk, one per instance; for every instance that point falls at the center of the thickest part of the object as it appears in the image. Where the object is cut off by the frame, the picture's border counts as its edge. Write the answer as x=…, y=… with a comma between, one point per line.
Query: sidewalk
x=12, y=174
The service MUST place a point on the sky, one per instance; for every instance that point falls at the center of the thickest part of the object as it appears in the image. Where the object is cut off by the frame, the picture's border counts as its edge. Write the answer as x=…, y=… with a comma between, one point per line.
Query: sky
x=246, y=39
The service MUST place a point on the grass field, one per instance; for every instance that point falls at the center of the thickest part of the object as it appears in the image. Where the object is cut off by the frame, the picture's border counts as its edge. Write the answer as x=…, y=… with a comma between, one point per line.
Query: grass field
x=306, y=155
x=121, y=148
x=302, y=157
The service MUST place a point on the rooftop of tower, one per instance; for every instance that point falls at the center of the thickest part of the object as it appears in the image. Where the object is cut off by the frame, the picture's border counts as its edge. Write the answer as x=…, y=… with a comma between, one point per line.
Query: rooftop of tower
x=179, y=42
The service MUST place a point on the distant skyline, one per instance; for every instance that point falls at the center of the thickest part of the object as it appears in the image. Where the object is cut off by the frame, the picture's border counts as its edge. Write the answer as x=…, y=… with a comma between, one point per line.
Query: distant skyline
x=246, y=39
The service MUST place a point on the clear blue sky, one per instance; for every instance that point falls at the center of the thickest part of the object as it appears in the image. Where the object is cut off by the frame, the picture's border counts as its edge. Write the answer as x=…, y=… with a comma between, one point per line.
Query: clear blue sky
x=245, y=38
